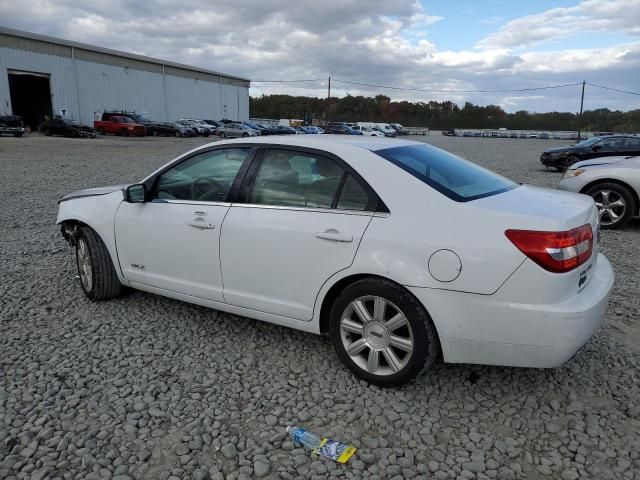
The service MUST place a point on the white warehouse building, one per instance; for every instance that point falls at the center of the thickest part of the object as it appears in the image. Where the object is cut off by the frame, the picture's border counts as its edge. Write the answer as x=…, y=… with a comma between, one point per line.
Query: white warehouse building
x=45, y=76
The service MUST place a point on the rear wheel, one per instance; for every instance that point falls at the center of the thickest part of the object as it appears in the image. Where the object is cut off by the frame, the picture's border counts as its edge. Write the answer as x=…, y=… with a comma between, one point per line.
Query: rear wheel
x=100, y=131
x=178, y=134
x=98, y=277
x=223, y=135
x=124, y=132
x=245, y=134
x=615, y=202
x=47, y=132
x=382, y=333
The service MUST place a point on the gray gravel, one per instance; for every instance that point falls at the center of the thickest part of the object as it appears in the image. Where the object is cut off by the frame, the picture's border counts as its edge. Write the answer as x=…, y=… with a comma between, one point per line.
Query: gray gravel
x=148, y=387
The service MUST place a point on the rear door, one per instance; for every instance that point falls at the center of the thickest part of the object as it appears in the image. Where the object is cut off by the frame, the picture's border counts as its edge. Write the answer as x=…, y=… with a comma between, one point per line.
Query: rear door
x=302, y=216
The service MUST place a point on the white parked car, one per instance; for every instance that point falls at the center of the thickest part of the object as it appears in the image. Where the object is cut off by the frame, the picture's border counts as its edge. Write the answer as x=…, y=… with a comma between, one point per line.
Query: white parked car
x=397, y=250
x=369, y=132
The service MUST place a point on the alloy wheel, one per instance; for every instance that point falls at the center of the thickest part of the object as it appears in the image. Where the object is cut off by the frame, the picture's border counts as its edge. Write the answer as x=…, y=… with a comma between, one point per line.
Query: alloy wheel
x=611, y=206
x=84, y=265
x=376, y=335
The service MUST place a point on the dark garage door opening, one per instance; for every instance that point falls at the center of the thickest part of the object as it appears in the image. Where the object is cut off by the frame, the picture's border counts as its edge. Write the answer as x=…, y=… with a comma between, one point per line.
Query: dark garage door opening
x=30, y=97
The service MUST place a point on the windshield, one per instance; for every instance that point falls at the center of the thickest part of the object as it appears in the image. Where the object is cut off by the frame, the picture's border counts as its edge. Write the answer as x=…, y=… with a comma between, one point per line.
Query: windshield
x=452, y=176
x=588, y=142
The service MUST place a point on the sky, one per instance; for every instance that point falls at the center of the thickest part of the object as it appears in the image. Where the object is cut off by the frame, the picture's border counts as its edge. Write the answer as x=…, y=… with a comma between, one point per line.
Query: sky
x=422, y=45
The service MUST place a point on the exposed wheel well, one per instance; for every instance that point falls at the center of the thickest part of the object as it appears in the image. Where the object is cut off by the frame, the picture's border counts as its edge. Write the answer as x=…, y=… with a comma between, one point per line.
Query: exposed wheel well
x=70, y=229
x=636, y=199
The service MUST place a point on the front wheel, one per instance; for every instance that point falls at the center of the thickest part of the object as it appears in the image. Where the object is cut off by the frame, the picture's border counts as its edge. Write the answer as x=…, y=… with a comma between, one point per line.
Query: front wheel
x=245, y=134
x=382, y=333
x=567, y=162
x=223, y=135
x=98, y=277
x=616, y=204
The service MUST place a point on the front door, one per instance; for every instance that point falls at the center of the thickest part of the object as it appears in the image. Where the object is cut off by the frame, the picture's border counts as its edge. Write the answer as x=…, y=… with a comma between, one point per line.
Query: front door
x=302, y=222
x=172, y=241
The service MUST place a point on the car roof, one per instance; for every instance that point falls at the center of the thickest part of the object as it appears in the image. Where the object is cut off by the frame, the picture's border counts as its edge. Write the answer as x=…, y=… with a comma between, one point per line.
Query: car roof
x=327, y=141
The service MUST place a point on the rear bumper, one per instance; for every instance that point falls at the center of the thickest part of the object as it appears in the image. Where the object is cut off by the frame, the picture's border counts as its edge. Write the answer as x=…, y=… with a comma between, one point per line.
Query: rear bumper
x=488, y=329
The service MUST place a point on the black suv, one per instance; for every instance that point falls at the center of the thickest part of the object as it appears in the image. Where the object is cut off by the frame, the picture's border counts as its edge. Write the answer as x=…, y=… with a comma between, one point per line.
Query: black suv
x=562, y=158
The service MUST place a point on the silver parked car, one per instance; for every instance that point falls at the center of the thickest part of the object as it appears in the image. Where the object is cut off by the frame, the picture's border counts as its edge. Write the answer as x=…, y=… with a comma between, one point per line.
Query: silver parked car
x=614, y=184
x=236, y=130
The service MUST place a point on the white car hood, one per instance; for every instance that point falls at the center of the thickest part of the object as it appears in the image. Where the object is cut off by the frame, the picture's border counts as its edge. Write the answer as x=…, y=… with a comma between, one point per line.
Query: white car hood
x=91, y=192
x=606, y=161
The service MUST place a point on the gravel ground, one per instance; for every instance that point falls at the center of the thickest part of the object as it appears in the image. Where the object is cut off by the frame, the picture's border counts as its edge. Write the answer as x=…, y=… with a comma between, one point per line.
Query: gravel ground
x=146, y=387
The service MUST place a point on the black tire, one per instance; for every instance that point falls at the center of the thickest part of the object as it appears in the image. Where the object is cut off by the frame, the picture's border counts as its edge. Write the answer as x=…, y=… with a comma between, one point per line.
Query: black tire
x=624, y=193
x=17, y=134
x=567, y=162
x=206, y=133
x=124, y=132
x=104, y=280
x=154, y=133
x=47, y=132
x=178, y=134
x=426, y=346
x=245, y=135
x=99, y=131
x=223, y=135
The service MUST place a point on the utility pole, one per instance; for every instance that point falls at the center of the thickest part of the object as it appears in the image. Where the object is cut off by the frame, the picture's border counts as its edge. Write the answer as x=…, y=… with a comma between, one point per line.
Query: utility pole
x=328, y=98
x=581, y=105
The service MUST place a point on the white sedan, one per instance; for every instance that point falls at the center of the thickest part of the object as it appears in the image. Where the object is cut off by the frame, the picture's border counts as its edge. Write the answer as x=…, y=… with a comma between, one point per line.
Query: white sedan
x=397, y=250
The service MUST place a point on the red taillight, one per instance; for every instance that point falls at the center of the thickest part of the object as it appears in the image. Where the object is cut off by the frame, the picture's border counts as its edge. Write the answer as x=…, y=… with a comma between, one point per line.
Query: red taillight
x=556, y=252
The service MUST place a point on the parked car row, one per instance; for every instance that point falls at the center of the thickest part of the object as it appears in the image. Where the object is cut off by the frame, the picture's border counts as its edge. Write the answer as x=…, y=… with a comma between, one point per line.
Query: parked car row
x=507, y=134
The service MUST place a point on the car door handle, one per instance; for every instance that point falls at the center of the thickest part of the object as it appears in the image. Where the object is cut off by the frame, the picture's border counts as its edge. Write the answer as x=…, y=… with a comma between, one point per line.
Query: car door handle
x=335, y=236
x=201, y=223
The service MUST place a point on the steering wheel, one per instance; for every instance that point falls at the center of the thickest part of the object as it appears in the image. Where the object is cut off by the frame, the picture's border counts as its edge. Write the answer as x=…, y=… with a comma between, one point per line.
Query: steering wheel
x=206, y=188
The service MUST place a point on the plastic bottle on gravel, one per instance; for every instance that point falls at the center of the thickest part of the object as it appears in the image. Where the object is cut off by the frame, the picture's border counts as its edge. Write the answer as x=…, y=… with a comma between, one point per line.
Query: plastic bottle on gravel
x=309, y=439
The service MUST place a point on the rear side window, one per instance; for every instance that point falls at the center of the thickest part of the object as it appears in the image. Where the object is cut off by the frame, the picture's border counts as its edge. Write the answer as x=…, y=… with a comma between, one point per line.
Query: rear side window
x=452, y=176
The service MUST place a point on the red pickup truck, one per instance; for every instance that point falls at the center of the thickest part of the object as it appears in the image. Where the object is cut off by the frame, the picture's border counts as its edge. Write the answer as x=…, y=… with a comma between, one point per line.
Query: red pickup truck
x=118, y=125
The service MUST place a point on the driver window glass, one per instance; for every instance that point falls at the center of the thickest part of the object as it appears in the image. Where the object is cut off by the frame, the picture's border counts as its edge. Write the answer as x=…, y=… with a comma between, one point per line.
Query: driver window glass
x=206, y=177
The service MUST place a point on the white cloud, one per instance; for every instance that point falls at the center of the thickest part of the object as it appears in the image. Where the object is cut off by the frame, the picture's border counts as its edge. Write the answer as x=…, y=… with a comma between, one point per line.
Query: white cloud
x=611, y=16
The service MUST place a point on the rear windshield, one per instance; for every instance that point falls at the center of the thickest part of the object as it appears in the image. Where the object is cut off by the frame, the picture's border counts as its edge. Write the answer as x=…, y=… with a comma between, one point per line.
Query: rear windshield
x=452, y=176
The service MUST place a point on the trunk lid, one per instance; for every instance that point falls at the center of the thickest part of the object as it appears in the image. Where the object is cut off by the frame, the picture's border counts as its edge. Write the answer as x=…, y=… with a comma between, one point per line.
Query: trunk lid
x=547, y=210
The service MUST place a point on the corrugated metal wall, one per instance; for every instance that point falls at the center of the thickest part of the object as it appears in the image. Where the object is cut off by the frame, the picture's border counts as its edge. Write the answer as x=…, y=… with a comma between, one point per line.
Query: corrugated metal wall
x=99, y=83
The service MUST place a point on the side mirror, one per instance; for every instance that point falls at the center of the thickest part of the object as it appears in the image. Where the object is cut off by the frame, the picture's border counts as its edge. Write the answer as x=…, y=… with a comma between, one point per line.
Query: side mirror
x=136, y=193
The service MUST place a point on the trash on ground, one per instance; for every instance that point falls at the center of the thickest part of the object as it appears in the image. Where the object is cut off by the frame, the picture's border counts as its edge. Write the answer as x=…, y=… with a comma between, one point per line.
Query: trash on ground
x=340, y=452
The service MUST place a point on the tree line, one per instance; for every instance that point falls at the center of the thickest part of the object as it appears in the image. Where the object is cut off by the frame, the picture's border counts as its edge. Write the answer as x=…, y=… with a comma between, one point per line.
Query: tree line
x=437, y=115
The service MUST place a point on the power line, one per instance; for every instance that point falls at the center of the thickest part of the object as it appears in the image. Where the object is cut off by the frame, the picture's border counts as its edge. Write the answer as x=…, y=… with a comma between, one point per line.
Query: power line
x=613, y=89
x=458, y=91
